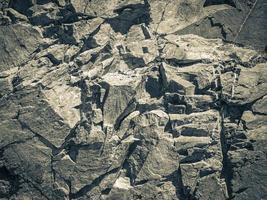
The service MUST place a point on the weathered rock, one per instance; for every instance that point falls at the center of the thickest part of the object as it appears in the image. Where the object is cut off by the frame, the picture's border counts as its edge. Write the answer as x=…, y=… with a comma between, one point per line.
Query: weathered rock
x=44, y=14
x=95, y=8
x=260, y=106
x=64, y=101
x=16, y=16
x=251, y=85
x=177, y=84
x=172, y=52
x=120, y=100
x=211, y=116
x=119, y=92
x=83, y=29
x=242, y=187
x=17, y=42
x=197, y=176
x=29, y=164
x=232, y=22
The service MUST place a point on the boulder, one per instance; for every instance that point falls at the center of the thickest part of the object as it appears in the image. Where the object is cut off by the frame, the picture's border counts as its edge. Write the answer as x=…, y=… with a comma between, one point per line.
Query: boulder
x=17, y=42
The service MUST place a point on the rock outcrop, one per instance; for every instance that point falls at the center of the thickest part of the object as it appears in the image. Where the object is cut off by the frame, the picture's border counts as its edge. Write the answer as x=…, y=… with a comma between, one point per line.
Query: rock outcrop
x=134, y=99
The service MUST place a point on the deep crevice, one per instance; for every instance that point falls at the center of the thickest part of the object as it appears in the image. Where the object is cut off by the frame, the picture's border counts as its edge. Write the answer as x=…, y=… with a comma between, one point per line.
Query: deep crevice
x=9, y=181
x=218, y=2
x=94, y=184
x=227, y=171
x=130, y=15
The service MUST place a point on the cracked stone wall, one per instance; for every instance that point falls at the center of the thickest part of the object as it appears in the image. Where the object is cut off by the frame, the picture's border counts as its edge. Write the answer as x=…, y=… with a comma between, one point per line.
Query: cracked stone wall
x=133, y=99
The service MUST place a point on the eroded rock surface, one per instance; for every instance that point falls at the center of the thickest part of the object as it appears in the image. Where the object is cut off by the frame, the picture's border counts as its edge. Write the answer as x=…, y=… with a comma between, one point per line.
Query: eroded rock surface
x=133, y=99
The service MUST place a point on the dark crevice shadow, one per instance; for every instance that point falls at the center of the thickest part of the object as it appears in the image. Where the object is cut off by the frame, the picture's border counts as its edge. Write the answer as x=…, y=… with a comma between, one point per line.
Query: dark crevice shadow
x=218, y=2
x=130, y=15
x=7, y=176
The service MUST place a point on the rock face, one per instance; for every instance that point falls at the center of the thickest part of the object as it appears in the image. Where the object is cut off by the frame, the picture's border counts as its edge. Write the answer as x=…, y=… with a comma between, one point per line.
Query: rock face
x=133, y=99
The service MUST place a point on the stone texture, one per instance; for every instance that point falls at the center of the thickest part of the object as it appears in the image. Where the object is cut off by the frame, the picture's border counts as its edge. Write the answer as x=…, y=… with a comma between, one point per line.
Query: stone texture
x=133, y=99
x=18, y=42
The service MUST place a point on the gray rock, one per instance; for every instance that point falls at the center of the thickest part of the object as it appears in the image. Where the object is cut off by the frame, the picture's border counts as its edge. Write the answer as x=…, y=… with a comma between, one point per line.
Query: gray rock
x=251, y=85
x=133, y=99
x=260, y=106
x=17, y=42
x=233, y=22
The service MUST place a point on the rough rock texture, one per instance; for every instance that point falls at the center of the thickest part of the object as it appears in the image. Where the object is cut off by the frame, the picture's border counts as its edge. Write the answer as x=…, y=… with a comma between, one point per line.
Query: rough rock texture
x=133, y=99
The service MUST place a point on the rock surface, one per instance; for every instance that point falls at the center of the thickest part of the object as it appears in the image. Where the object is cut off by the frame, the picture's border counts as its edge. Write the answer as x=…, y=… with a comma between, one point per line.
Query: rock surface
x=153, y=99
